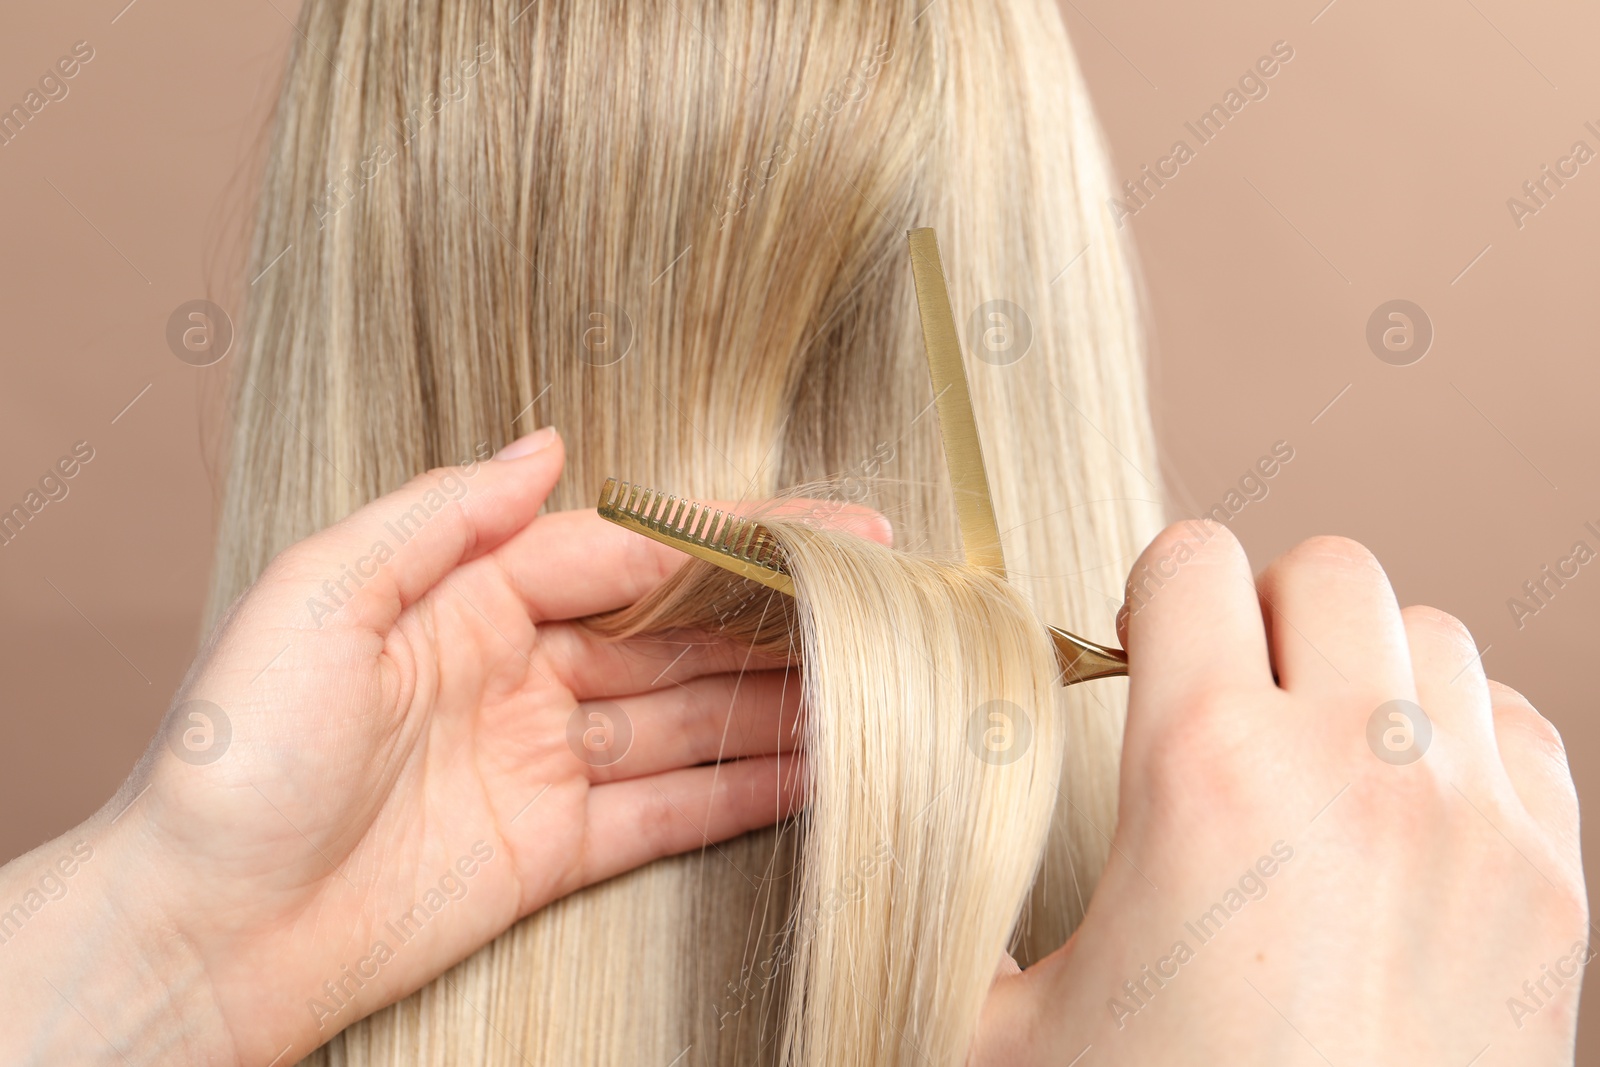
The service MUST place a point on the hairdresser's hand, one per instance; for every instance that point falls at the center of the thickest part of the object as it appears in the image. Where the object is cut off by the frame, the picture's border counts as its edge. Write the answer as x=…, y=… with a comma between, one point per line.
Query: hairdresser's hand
x=419, y=748
x=1300, y=873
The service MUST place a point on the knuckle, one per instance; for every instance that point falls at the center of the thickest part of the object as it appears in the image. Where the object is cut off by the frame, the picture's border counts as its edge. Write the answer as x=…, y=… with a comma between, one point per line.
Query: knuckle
x=1545, y=733
x=661, y=820
x=1568, y=907
x=419, y=483
x=1536, y=728
x=1186, y=532
x=444, y=479
x=707, y=705
x=1436, y=623
x=442, y=492
x=1515, y=711
x=1172, y=549
x=1332, y=552
x=1558, y=904
x=1505, y=697
x=441, y=480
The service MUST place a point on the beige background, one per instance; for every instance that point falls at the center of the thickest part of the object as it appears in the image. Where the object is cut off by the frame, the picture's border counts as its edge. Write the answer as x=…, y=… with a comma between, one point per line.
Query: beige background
x=1377, y=167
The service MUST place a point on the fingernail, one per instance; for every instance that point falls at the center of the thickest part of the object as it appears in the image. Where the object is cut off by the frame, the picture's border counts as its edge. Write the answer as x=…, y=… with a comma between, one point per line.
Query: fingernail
x=537, y=441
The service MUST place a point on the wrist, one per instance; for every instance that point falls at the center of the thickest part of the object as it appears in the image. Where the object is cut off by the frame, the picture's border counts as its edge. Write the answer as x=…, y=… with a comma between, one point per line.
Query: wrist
x=91, y=965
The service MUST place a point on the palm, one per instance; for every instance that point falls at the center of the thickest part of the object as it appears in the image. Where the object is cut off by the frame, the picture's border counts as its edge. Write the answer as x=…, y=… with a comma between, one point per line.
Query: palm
x=405, y=778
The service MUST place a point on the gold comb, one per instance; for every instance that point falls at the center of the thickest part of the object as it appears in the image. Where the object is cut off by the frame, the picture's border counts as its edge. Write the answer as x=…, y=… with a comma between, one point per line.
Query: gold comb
x=747, y=548
x=740, y=545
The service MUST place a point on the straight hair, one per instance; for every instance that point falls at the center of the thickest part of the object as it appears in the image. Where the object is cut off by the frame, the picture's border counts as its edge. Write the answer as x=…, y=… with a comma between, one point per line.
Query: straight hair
x=677, y=232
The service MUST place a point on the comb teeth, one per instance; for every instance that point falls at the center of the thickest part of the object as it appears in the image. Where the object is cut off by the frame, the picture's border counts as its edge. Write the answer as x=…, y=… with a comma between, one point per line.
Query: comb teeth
x=686, y=520
x=741, y=545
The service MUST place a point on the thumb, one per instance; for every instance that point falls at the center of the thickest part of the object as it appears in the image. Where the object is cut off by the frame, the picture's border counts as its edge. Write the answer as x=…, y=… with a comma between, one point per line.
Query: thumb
x=366, y=569
x=1017, y=1000
x=1008, y=1026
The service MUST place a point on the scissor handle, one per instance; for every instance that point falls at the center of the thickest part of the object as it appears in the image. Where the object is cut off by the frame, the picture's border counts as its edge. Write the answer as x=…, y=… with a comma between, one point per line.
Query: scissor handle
x=1081, y=660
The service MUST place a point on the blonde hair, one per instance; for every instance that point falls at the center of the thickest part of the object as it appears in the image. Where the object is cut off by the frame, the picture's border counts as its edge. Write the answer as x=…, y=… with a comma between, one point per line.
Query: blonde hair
x=676, y=231
x=935, y=747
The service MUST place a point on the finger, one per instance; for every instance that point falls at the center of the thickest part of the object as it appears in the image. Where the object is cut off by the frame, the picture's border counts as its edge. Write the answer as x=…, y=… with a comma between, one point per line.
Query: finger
x=595, y=667
x=643, y=819
x=1192, y=622
x=1536, y=761
x=837, y=515
x=715, y=717
x=1335, y=623
x=1451, y=688
x=364, y=570
x=574, y=563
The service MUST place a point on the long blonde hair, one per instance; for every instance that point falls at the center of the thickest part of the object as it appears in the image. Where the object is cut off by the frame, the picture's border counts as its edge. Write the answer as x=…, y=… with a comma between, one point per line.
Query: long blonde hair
x=676, y=231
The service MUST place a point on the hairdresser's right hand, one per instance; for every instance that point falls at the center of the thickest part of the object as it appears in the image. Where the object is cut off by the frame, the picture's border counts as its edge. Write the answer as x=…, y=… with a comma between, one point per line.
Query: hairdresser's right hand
x=1304, y=871
x=418, y=745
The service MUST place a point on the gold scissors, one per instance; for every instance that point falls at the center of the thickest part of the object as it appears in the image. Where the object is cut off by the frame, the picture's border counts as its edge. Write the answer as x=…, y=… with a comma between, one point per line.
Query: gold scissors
x=747, y=548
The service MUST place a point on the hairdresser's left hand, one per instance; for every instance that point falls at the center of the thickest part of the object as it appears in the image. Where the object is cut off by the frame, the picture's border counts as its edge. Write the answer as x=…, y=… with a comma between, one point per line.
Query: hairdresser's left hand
x=417, y=745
